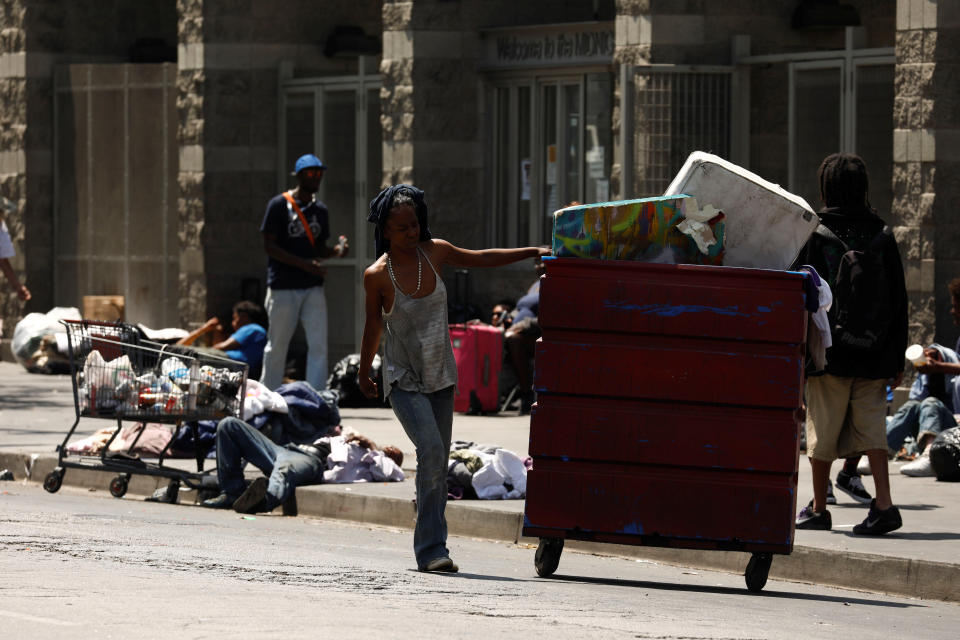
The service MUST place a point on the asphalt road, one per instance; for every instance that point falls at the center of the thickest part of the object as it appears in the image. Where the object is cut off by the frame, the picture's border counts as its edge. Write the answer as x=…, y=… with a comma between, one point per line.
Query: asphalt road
x=80, y=564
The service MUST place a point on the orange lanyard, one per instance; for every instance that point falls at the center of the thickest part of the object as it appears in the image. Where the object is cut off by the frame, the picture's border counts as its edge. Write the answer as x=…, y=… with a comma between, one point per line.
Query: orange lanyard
x=303, y=218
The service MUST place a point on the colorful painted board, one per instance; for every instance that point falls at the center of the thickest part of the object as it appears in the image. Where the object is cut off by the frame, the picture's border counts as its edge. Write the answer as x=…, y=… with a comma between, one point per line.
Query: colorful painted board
x=647, y=230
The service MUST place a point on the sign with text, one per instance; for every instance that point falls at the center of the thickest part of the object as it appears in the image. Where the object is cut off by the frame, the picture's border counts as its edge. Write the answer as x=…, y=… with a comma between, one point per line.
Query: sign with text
x=555, y=45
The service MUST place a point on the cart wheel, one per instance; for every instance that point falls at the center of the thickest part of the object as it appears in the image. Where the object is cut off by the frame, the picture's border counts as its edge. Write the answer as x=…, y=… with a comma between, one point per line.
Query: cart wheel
x=52, y=481
x=547, y=558
x=757, y=570
x=118, y=486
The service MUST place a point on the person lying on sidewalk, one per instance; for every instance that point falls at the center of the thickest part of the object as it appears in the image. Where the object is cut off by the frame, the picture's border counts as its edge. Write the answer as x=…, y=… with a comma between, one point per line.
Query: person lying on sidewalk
x=337, y=459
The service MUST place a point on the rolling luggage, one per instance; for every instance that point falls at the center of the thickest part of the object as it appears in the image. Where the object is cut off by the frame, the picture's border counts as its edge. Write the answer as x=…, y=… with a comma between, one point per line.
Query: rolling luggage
x=766, y=226
x=478, y=350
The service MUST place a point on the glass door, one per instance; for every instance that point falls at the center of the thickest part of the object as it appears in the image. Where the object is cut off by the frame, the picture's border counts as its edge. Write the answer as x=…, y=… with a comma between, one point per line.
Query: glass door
x=816, y=124
x=552, y=146
x=339, y=120
x=842, y=105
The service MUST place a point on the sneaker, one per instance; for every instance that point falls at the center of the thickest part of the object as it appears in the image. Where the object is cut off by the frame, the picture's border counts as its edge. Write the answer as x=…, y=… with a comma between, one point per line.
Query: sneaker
x=831, y=499
x=254, y=499
x=222, y=501
x=863, y=468
x=441, y=564
x=919, y=468
x=810, y=519
x=853, y=486
x=879, y=522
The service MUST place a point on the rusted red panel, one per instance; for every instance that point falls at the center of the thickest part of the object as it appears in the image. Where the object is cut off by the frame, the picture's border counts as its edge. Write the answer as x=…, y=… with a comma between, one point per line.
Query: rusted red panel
x=650, y=367
x=660, y=433
x=673, y=300
x=651, y=502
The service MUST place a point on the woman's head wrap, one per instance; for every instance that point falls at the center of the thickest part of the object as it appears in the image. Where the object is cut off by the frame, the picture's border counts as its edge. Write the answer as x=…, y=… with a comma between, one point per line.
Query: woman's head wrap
x=380, y=208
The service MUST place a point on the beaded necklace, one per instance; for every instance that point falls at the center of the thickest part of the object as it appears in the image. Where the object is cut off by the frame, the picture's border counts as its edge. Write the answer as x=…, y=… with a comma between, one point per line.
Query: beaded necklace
x=419, y=275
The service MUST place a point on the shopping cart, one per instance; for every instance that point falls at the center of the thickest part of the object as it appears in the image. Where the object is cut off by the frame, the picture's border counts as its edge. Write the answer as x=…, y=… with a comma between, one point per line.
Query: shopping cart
x=118, y=375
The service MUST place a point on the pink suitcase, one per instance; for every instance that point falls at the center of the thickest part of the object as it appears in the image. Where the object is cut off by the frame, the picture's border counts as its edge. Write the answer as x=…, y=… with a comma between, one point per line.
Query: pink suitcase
x=478, y=349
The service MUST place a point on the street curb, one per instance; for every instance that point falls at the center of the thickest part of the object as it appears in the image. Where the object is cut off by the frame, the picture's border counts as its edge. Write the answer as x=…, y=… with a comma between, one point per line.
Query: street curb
x=860, y=571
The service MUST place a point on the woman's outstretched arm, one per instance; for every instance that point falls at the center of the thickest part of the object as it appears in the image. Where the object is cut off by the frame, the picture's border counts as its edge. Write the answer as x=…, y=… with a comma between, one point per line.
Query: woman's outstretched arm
x=446, y=253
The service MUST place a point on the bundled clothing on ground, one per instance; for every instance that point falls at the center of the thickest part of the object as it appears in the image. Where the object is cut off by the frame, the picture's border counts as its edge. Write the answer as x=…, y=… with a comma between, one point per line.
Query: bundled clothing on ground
x=486, y=472
x=294, y=413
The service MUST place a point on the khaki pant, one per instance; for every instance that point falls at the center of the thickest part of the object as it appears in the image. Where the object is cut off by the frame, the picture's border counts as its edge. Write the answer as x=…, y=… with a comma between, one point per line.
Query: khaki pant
x=845, y=416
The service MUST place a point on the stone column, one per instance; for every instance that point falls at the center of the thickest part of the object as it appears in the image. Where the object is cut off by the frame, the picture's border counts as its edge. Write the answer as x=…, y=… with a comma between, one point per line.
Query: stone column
x=191, y=89
x=926, y=149
x=430, y=105
x=13, y=125
x=632, y=47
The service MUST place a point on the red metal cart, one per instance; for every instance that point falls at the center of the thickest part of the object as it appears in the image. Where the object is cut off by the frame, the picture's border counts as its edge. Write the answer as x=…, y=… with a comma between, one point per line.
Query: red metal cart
x=668, y=409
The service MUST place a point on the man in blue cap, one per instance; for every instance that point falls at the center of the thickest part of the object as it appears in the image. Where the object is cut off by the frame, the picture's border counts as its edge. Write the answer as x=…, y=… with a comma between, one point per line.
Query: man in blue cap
x=295, y=231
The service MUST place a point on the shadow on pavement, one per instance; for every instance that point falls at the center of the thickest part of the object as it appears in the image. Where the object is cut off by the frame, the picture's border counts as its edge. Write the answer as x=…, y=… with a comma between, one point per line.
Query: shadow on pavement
x=666, y=586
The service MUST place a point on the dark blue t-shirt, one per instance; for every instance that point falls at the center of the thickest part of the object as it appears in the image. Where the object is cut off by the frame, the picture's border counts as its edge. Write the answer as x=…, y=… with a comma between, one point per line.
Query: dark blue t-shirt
x=252, y=338
x=282, y=222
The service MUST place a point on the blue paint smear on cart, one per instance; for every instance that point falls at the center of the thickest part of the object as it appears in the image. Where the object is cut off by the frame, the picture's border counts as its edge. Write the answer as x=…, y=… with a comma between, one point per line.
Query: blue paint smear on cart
x=671, y=311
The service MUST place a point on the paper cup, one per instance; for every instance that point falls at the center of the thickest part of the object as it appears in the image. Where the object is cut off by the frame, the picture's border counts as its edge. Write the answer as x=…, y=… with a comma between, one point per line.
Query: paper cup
x=915, y=355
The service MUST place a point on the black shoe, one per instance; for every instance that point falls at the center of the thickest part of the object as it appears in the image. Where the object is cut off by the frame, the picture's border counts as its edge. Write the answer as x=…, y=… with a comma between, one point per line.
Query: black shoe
x=166, y=495
x=879, y=522
x=441, y=564
x=810, y=519
x=290, y=505
x=254, y=499
x=222, y=501
x=852, y=485
x=831, y=499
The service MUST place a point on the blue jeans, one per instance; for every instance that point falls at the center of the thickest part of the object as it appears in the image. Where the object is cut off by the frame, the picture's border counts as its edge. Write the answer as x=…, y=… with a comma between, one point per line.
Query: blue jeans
x=286, y=307
x=918, y=418
x=286, y=468
x=428, y=420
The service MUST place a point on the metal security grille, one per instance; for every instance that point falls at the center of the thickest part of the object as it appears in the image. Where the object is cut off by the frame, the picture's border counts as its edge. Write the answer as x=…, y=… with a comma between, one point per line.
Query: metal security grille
x=676, y=113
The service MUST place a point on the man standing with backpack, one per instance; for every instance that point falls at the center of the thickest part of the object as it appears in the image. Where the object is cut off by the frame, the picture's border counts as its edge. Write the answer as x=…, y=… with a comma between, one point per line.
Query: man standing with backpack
x=846, y=401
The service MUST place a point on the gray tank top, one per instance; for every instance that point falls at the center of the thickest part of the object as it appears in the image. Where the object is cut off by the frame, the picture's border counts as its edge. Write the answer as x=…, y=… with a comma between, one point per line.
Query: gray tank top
x=417, y=354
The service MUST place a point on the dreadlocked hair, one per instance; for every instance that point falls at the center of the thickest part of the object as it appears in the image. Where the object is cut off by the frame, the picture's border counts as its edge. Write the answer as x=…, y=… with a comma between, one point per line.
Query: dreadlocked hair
x=844, y=182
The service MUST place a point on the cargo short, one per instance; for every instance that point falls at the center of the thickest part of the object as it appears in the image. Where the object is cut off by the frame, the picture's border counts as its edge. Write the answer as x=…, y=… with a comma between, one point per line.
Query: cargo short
x=845, y=416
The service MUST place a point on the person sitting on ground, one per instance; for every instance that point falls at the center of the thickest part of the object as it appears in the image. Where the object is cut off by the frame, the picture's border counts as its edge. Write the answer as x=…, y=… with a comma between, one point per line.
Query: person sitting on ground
x=337, y=459
x=933, y=399
x=521, y=337
x=247, y=341
x=500, y=316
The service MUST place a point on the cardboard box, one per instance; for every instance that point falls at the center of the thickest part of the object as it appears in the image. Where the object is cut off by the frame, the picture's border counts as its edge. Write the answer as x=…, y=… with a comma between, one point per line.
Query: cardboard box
x=665, y=230
x=103, y=308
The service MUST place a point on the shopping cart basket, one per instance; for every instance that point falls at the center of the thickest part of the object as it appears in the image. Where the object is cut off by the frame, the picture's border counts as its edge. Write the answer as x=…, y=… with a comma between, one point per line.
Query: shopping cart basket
x=117, y=375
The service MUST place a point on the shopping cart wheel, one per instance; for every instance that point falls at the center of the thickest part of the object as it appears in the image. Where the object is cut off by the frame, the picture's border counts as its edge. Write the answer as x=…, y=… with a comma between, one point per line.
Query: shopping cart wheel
x=757, y=570
x=547, y=558
x=53, y=480
x=118, y=486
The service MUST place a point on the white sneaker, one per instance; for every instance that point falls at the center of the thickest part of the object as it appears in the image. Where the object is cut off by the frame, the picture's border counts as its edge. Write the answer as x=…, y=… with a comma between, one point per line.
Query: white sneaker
x=919, y=468
x=863, y=467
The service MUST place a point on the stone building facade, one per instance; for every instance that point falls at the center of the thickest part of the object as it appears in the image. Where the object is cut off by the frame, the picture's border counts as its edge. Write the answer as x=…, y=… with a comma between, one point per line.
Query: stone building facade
x=499, y=109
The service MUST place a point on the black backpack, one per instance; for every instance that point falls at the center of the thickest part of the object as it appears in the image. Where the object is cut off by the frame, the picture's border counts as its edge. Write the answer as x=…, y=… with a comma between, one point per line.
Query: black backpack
x=343, y=380
x=863, y=308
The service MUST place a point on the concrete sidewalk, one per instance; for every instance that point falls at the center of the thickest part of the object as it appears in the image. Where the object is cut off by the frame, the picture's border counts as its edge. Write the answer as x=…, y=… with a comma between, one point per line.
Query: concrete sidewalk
x=919, y=560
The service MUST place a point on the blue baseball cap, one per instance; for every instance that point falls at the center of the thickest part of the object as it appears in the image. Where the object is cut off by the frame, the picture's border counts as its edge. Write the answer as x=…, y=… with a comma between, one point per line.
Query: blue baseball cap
x=306, y=162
